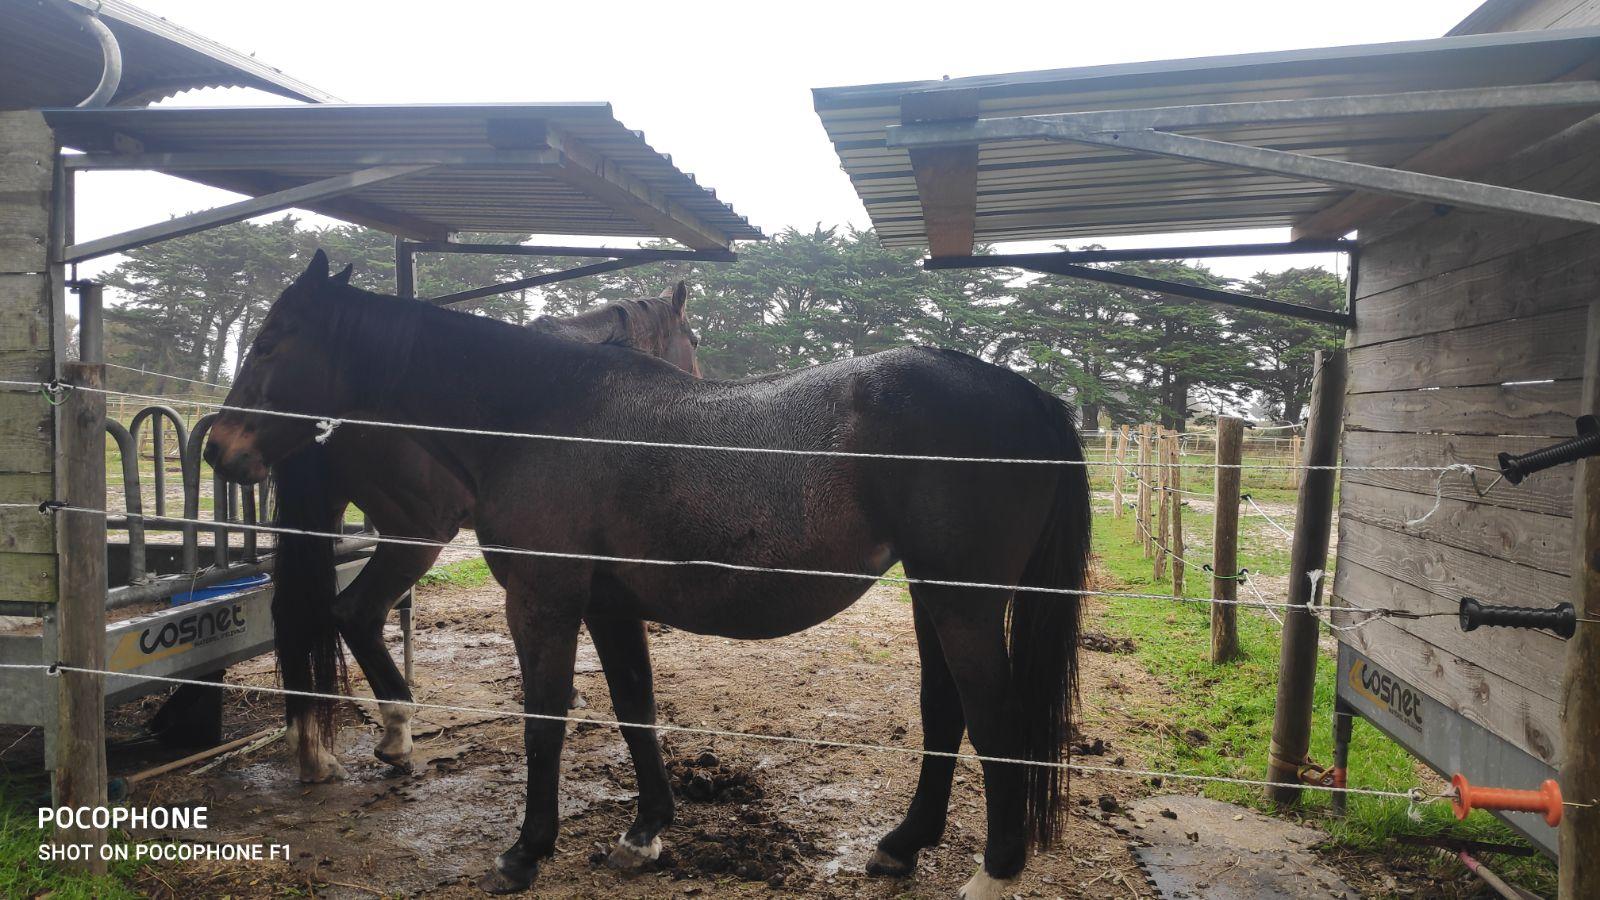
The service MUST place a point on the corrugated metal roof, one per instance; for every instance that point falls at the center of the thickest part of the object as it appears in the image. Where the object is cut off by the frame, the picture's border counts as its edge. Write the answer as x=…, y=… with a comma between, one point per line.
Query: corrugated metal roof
x=48, y=58
x=514, y=173
x=1051, y=190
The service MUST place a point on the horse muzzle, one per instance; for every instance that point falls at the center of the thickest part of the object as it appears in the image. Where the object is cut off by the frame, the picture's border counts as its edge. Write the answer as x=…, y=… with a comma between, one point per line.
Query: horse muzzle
x=234, y=456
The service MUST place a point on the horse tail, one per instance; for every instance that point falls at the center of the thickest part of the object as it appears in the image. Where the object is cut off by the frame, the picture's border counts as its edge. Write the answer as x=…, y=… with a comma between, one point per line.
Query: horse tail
x=1043, y=634
x=305, y=583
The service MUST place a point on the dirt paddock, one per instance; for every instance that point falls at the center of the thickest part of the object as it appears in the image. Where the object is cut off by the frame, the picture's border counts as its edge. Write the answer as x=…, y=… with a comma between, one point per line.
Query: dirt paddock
x=755, y=818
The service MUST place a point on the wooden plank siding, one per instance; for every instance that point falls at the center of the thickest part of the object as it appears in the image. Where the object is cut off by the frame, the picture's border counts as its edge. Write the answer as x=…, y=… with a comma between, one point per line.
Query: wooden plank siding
x=1548, y=492
x=1527, y=538
x=1544, y=409
x=1528, y=658
x=1448, y=572
x=1519, y=716
x=1561, y=274
x=1469, y=341
x=1537, y=348
x=27, y=352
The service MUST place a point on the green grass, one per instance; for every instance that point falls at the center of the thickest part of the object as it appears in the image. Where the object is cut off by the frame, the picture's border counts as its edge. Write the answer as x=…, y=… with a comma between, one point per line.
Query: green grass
x=468, y=573
x=1231, y=707
x=21, y=872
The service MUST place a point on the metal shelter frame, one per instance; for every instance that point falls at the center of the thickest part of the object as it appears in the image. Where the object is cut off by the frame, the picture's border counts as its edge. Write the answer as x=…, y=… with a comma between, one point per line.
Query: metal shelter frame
x=1153, y=131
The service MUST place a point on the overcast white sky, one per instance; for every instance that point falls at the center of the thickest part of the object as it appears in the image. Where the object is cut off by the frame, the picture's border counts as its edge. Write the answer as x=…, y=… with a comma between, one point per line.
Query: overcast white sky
x=723, y=87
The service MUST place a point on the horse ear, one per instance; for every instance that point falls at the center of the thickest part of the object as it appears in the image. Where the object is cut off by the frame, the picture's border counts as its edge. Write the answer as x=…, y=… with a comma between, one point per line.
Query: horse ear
x=344, y=274
x=680, y=297
x=621, y=333
x=317, y=271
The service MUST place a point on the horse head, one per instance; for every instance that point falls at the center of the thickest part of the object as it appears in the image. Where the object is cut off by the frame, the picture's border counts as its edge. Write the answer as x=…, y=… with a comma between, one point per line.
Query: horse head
x=658, y=326
x=288, y=368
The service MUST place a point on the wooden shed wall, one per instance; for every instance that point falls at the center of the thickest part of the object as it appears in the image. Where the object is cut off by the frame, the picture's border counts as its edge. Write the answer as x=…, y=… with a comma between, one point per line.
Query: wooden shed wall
x=28, y=337
x=1469, y=338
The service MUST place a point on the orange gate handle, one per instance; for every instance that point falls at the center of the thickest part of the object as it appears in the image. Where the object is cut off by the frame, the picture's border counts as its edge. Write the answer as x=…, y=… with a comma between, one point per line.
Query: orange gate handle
x=1547, y=799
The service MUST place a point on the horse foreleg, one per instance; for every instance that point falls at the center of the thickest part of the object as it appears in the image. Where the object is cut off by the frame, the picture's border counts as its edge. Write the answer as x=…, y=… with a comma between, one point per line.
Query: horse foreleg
x=971, y=628
x=546, y=637
x=625, y=655
x=942, y=726
x=361, y=611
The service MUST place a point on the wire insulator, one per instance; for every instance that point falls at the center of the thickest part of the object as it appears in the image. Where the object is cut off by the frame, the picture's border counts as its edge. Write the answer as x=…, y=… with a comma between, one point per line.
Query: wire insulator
x=1514, y=468
x=1546, y=800
x=1561, y=618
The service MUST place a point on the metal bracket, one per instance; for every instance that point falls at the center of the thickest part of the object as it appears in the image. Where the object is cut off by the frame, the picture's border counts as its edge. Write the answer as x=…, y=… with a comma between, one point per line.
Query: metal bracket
x=237, y=212
x=616, y=258
x=1056, y=264
x=1148, y=131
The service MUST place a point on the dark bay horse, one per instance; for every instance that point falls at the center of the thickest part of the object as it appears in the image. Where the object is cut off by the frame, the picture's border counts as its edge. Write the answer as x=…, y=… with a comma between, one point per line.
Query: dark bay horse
x=997, y=663
x=405, y=492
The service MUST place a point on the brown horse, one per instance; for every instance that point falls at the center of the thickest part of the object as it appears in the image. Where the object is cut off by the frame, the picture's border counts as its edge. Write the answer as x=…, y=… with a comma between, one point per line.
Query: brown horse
x=404, y=492
x=997, y=662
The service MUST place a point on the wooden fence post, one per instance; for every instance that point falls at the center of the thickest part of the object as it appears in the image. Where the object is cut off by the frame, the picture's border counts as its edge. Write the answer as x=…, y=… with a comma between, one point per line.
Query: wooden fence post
x=1225, y=541
x=1297, y=655
x=1580, y=718
x=1119, y=472
x=1175, y=455
x=79, y=770
x=1163, y=482
x=1143, y=474
x=1295, y=475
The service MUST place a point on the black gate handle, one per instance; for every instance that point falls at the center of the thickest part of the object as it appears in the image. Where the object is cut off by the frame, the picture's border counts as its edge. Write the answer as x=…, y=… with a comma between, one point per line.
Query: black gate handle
x=1561, y=618
x=1587, y=443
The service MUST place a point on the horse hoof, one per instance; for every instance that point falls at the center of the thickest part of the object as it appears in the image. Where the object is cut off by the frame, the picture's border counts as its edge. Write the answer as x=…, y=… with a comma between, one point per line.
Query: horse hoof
x=328, y=770
x=498, y=880
x=883, y=865
x=984, y=886
x=577, y=701
x=398, y=760
x=629, y=857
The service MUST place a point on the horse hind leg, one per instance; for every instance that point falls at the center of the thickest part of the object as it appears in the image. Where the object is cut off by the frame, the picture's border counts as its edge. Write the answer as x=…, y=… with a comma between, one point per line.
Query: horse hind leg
x=625, y=656
x=942, y=726
x=317, y=764
x=971, y=630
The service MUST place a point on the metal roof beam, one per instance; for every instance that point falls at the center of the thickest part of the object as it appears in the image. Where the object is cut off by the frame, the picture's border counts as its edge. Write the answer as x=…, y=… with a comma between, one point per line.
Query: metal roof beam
x=1063, y=126
x=1054, y=264
x=1483, y=143
x=226, y=160
x=1139, y=254
x=643, y=254
x=1359, y=176
x=608, y=182
x=237, y=212
x=507, y=287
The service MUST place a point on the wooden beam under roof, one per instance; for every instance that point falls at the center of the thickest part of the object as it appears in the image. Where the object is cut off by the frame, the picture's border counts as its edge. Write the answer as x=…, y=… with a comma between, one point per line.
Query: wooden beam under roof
x=947, y=177
x=1470, y=149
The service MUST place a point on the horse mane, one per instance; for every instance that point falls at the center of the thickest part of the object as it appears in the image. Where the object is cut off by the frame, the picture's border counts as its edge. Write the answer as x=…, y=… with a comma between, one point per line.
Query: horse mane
x=602, y=321
x=373, y=332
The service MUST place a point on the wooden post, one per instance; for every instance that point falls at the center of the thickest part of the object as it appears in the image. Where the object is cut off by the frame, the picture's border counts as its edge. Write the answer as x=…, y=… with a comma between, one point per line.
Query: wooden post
x=29, y=337
x=79, y=771
x=1163, y=503
x=1143, y=474
x=1297, y=655
x=1294, y=456
x=1175, y=456
x=1580, y=719
x=1225, y=541
x=1119, y=473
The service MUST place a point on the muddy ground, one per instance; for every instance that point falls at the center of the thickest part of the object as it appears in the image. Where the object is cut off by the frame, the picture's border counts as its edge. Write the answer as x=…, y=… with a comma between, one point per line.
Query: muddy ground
x=755, y=818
